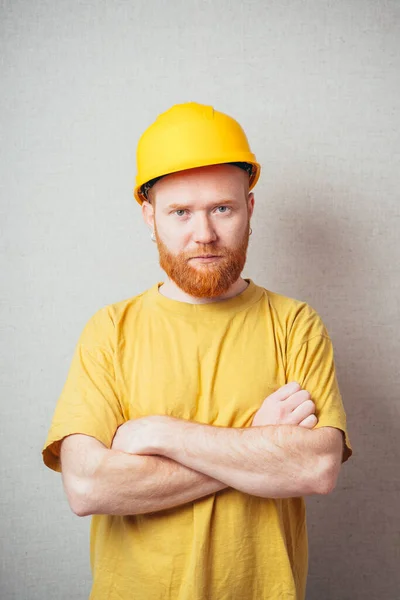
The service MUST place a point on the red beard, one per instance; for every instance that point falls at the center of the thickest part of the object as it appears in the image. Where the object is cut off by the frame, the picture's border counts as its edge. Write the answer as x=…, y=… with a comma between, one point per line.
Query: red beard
x=209, y=280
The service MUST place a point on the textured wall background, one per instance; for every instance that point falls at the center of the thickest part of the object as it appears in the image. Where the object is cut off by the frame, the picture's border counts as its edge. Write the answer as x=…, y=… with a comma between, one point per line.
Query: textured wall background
x=316, y=86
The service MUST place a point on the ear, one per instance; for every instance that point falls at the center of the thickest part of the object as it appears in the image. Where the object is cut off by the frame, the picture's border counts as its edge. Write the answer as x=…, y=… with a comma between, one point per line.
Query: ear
x=148, y=214
x=250, y=204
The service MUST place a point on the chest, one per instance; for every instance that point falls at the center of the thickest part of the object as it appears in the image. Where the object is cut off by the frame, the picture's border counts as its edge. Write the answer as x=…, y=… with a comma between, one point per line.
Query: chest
x=214, y=373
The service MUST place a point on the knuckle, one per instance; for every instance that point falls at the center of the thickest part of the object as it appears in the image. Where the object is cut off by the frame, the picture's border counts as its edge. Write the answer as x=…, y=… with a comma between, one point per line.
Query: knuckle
x=309, y=406
x=301, y=395
x=294, y=388
x=309, y=422
x=281, y=412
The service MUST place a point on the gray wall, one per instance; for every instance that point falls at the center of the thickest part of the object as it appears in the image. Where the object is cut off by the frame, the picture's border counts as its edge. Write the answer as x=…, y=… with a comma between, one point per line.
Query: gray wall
x=316, y=86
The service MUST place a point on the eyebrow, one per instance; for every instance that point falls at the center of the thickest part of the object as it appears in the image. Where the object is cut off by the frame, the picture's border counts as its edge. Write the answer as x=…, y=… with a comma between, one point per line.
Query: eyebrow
x=182, y=205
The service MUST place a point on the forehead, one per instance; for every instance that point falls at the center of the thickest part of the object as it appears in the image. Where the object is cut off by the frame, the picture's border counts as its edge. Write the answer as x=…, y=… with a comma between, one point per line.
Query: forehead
x=213, y=183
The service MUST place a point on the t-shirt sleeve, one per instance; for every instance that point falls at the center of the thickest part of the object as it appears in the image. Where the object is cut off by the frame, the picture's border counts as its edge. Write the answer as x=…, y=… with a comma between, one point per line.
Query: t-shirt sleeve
x=89, y=402
x=310, y=362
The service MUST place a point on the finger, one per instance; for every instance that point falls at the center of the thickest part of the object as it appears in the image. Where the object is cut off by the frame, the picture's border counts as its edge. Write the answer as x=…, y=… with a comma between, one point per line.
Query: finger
x=303, y=411
x=296, y=399
x=285, y=391
x=309, y=422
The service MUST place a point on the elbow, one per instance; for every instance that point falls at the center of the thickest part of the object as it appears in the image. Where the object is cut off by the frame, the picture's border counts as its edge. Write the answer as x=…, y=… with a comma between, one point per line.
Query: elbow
x=327, y=475
x=80, y=498
x=80, y=509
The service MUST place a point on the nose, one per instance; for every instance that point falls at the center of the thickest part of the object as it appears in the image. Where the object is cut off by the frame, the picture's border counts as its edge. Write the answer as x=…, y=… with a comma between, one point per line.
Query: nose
x=204, y=232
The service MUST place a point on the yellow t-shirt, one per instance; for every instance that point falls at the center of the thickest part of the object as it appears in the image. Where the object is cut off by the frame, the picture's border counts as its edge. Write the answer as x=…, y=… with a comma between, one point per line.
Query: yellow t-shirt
x=209, y=363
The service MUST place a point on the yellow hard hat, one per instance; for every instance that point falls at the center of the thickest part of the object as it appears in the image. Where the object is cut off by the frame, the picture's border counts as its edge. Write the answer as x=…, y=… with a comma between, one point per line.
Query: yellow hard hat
x=188, y=136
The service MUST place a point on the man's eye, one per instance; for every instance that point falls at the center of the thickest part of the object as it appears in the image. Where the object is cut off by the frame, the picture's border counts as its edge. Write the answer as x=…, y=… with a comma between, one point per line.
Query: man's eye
x=222, y=209
x=180, y=212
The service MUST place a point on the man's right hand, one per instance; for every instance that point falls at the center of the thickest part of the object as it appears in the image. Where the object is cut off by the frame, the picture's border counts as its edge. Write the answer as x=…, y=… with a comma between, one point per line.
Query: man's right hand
x=289, y=405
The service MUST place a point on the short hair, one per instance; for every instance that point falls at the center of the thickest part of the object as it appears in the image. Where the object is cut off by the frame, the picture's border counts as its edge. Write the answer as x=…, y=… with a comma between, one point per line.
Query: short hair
x=145, y=188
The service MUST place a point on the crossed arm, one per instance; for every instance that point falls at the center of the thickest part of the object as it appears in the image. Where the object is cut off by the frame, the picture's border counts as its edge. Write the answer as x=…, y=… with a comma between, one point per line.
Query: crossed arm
x=117, y=483
x=160, y=462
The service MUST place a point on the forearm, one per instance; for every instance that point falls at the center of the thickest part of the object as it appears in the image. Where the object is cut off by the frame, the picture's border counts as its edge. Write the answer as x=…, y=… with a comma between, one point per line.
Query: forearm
x=125, y=484
x=271, y=461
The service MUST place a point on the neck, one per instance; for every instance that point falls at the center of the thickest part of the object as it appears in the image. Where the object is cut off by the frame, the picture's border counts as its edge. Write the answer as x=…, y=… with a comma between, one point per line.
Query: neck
x=169, y=289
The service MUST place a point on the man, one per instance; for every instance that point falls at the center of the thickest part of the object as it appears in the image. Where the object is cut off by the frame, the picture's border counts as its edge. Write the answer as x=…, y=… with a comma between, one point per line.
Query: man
x=197, y=415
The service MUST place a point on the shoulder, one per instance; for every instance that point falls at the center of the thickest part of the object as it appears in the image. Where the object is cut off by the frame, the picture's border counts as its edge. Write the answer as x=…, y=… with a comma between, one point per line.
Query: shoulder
x=106, y=321
x=298, y=318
